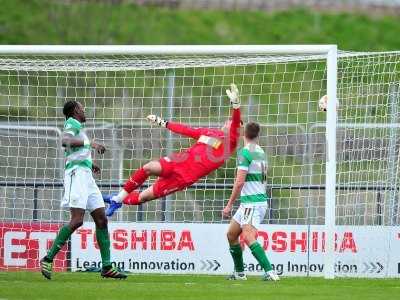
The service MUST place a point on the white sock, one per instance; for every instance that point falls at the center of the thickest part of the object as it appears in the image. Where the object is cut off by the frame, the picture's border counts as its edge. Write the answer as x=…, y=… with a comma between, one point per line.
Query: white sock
x=121, y=196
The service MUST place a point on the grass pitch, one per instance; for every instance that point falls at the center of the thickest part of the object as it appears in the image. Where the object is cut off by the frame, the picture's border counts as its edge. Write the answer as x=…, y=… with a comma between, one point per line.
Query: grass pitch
x=74, y=286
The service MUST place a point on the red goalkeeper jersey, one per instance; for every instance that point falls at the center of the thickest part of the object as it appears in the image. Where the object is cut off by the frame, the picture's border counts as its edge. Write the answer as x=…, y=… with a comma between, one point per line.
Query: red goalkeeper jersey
x=212, y=149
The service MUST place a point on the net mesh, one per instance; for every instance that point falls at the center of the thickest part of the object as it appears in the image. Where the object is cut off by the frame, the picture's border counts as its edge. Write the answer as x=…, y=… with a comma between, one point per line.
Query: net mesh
x=278, y=91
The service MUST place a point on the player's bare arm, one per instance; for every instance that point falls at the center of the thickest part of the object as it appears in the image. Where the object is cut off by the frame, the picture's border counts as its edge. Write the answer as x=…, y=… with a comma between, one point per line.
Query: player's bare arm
x=178, y=128
x=100, y=149
x=237, y=188
x=70, y=141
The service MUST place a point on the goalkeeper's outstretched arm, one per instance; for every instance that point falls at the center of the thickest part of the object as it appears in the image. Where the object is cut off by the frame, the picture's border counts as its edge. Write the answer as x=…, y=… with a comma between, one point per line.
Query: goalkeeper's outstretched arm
x=195, y=133
x=233, y=94
x=176, y=127
x=185, y=130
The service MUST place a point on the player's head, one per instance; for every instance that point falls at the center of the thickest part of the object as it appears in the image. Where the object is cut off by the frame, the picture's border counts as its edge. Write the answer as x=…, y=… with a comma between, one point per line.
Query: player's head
x=73, y=109
x=251, y=131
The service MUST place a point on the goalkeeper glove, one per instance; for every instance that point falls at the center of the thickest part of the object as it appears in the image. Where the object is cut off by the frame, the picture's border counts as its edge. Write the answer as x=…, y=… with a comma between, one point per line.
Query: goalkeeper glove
x=157, y=120
x=233, y=94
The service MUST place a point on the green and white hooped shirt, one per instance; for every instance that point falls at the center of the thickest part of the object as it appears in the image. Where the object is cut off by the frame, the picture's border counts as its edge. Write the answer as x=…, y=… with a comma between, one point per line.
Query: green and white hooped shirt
x=77, y=156
x=252, y=159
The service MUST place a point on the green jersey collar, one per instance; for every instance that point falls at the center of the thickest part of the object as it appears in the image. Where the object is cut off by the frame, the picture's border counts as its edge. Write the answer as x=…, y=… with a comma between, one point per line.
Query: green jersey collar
x=76, y=124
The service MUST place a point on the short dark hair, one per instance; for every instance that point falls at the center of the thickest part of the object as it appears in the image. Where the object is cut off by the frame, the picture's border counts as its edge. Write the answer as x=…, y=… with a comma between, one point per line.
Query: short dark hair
x=251, y=130
x=69, y=108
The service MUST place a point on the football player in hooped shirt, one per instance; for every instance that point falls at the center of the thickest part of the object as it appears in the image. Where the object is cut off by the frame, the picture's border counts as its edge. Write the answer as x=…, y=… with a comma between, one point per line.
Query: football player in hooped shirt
x=180, y=170
x=81, y=192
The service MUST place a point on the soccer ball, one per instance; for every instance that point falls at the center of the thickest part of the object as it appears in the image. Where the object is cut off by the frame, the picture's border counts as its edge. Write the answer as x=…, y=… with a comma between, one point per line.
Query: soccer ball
x=323, y=103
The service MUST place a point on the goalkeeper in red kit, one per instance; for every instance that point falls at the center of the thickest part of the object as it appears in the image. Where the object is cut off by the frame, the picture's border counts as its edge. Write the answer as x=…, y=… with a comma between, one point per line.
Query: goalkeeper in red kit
x=180, y=170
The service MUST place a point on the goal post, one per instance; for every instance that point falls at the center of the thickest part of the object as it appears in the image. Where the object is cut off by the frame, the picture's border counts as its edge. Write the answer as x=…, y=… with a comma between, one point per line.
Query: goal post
x=330, y=181
x=320, y=163
x=41, y=77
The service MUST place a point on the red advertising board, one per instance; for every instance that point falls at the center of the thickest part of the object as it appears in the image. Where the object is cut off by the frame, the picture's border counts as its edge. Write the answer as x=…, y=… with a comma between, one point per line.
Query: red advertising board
x=22, y=245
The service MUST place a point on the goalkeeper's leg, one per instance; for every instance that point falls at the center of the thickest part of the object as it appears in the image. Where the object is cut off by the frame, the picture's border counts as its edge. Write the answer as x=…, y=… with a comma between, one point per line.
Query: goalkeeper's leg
x=128, y=193
x=161, y=188
x=136, y=180
x=134, y=198
x=139, y=177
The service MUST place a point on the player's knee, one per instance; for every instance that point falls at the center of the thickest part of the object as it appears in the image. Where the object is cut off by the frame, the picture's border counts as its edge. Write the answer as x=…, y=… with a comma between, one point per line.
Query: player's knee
x=149, y=168
x=152, y=168
x=144, y=197
x=248, y=240
x=231, y=236
x=102, y=222
x=249, y=235
x=74, y=224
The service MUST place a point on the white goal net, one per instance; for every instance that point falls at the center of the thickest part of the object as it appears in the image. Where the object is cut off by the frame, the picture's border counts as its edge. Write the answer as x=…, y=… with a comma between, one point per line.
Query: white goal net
x=280, y=92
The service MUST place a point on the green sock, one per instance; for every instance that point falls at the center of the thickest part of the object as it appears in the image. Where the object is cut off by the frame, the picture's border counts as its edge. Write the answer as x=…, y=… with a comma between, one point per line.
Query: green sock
x=237, y=255
x=259, y=254
x=103, y=240
x=62, y=236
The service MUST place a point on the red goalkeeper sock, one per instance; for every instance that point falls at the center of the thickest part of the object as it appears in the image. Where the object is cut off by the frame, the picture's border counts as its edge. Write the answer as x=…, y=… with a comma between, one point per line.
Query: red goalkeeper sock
x=132, y=199
x=136, y=180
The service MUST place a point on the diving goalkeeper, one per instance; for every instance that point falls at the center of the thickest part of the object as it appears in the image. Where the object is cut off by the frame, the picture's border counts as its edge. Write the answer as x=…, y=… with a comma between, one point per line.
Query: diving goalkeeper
x=180, y=170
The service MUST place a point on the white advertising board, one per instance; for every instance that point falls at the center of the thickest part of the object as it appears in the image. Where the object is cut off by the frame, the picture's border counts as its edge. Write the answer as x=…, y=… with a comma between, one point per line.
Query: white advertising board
x=294, y=250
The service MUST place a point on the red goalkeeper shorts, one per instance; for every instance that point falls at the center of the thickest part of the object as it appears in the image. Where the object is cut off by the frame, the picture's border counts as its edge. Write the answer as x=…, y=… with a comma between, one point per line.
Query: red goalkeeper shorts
x=170, y=180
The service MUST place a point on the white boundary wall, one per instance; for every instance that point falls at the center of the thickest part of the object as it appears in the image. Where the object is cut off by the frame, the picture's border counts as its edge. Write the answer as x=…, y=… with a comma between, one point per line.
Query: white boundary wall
x=294, y=250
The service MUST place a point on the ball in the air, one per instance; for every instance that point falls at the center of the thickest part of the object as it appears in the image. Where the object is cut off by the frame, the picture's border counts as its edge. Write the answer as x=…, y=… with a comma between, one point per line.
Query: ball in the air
x=323, y=103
